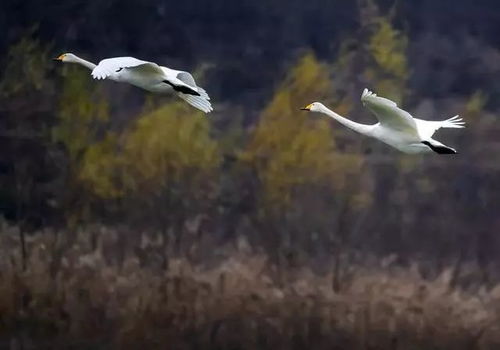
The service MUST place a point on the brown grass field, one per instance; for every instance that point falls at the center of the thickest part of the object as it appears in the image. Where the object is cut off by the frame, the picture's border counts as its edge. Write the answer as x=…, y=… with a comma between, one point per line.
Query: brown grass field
x=93, y=289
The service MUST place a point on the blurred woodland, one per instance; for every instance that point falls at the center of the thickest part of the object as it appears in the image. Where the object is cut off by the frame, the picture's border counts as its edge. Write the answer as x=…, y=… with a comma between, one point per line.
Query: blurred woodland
x=108, y=192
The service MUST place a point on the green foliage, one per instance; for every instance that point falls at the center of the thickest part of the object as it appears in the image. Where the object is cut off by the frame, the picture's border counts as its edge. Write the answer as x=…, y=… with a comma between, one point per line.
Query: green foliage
x=26, y=101
x=82, y=110
x=289, y=147
x=26, y=67
x=81, y=119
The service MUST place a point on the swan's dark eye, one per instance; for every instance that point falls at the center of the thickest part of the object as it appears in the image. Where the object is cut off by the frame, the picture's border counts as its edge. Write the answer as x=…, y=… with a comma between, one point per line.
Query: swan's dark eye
x=119, y=69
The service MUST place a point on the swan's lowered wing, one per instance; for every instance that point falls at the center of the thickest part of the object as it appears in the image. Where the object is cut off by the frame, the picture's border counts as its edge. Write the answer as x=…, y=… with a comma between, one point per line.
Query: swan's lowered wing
x=110, y=66
x=197, y=101
x=388, y=113
x=202, y=102
x=188, y=79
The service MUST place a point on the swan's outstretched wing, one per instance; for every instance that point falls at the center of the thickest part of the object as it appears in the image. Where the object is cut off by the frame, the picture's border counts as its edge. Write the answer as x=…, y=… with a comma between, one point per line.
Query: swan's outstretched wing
x=388, y=113
x=110, y=66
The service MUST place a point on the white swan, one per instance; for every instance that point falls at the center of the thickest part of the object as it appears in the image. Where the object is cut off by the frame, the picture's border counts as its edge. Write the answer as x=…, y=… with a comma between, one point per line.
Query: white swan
x=148, y=76
x=396, y=127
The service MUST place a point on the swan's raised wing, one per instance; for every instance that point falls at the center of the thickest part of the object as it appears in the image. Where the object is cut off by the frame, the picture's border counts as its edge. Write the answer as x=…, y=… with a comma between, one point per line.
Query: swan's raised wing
x=186, y=77
x=388, y=113
x=110, y=66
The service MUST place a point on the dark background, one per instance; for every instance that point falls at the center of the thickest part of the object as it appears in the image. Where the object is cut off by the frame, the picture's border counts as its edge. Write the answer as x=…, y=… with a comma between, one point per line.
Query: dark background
x=133, y=220
x=243, y=53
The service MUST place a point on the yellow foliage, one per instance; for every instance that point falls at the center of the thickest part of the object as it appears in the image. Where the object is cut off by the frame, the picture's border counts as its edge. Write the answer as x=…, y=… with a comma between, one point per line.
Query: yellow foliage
x=102, y=168
x=171, y=143
x=387, y=46
x=290, y=147
x=167, y=144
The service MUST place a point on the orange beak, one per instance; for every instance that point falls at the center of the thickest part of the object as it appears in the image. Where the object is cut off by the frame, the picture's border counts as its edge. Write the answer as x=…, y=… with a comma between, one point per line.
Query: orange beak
x=60, y=58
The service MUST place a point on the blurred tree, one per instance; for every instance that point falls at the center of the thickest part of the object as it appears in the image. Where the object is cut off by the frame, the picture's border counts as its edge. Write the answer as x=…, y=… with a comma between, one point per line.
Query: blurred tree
x=387, y=72
x=170, y=160
x=103, y=170
x=288, y=147
x=81, y=120
x=376, y=58
x=387, y=47
x=91, y=165
x=170, y=144
x=26, y=169
x=82, y=111
x=296, y=159
x=26, y=67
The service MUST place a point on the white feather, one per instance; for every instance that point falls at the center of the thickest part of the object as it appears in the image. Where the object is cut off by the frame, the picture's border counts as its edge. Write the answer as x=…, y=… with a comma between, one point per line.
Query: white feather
x=197, y=101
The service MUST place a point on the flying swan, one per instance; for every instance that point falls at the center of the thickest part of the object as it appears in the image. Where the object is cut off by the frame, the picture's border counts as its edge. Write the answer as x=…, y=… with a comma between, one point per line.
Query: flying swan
x=148, y=76
x=396, y=127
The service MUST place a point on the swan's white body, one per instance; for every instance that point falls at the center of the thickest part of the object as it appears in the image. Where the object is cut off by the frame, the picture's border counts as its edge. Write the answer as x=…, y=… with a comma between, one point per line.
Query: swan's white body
x=148, y=76
x=396, y=127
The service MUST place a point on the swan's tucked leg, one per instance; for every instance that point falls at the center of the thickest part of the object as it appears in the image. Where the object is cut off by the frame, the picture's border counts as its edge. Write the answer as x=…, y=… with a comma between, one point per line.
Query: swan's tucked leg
x=182, y=88
x=438, y=147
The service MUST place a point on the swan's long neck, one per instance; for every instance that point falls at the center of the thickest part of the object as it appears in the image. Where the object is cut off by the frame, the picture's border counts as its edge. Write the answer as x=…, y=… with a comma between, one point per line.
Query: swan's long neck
x=84, y=63
x=361, y=128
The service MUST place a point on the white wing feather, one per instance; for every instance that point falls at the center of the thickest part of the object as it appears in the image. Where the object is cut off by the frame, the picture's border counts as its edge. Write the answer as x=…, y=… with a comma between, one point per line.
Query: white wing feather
x=110, y=66
x=388, y=113
x=427, y=128
x=199, y=102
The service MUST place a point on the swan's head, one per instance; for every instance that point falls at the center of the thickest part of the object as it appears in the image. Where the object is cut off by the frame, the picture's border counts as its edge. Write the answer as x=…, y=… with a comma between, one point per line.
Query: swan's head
x=66, y=57
x=313, y=107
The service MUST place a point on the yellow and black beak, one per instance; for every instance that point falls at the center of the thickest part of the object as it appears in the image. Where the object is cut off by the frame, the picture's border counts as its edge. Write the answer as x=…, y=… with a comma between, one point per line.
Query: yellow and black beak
x=60, y=58
x=307, y=108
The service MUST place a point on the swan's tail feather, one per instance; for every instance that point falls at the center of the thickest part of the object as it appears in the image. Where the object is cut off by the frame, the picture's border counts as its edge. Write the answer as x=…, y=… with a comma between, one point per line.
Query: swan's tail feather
x=199, y=102
x=454, y=122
